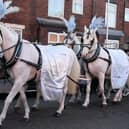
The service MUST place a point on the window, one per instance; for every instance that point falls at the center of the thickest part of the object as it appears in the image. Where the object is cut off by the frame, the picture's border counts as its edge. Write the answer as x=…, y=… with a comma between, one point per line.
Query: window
x=126, y=14
x=77, y=6
x=54, y=37
x=110, y=15
x=111, y=43
x=18, y=28
x=56, y=8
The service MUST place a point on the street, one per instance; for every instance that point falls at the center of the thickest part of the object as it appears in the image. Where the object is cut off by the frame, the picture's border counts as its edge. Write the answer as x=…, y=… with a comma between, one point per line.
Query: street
x=114, y=116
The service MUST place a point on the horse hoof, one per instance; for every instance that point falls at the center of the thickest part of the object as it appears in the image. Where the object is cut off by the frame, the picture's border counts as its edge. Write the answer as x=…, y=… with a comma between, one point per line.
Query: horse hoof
x=35, y=109
x=71, y=102
x=57, y=114
x=103, y=105
x=83, y=107
x=17, y=109
x=115, y=102
x=26, y=119
x=65, y=107
x=100, y=95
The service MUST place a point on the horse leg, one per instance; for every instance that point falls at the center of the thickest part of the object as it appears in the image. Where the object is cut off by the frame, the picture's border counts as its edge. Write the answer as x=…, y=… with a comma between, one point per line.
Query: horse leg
x=62, y=101
x=72, y=99
x=15, y=89
x=88, y=90
x=19, y=100
x=101, y=88
x=18, y=103
x=79, y=95
x=38, y=95
x=118, y=95
x=24, y=100
x=108, y=88
x=109, y=93
x=76, y=96
x=126, y=88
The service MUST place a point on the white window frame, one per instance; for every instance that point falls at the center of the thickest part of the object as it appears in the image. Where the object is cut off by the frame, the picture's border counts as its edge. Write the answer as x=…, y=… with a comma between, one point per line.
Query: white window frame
x=56, y=9
x=17, y=27
x=58, y=37
x=77, y=6
x=126, y=17
x=111, y=43
x=111, y=13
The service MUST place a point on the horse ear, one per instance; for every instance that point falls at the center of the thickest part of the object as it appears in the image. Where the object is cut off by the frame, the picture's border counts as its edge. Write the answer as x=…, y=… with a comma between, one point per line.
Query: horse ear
x=95, y=29
x=85, y=28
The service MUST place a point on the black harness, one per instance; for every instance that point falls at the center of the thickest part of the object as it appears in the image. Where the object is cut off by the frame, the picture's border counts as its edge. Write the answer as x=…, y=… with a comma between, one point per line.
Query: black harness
x=39, y=64
x=96, y=56
x=16, y=56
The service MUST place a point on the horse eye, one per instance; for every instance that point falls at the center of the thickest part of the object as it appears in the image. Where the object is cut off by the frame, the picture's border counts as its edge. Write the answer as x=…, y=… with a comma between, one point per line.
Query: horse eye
x=87, y=36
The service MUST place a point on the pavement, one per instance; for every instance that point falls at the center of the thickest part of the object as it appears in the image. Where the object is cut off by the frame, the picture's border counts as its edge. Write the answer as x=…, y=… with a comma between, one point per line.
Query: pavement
x=114, y=116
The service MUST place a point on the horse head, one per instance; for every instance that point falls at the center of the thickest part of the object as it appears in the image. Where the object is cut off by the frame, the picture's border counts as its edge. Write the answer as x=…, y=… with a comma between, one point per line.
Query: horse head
x=90, y=35
x=89, y=41
x=69, y=39
x=8, y=41
x=8, y=35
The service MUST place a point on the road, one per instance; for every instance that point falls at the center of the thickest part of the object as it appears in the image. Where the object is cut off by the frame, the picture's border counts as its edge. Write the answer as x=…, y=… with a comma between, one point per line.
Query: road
x=74, y=117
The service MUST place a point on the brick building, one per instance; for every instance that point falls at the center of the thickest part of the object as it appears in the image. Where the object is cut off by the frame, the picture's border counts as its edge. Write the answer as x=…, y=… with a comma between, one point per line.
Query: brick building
x=84, y=10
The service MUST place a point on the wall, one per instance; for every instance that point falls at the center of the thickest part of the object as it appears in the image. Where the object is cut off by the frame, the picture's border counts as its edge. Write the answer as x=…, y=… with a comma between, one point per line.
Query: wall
x=31, y=9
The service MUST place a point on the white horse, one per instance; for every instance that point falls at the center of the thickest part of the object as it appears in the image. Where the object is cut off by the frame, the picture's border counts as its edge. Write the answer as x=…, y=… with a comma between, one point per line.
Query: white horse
x=99, y=64
x=23, y=62
x=74, y=42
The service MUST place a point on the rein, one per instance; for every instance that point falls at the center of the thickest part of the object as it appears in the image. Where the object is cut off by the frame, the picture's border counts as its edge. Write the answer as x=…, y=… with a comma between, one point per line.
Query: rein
x=7, y=49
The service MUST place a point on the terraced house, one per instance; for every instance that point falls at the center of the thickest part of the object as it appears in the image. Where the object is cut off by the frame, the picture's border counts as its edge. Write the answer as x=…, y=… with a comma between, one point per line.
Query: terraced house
x=117, y=12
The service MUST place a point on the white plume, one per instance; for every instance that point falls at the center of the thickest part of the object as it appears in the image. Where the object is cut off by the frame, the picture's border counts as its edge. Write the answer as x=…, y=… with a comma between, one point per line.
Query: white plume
x=70, y=24
x=7, y=3
x=6, y=8
x=97, y=23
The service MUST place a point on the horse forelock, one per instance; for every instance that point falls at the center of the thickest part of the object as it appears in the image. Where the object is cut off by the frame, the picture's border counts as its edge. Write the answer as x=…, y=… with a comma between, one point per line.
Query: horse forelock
x=8, y=34
x=90, y=42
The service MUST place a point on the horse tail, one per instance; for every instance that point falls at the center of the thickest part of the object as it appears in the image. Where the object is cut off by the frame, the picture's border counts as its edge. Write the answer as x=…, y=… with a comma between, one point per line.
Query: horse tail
x=74, y=75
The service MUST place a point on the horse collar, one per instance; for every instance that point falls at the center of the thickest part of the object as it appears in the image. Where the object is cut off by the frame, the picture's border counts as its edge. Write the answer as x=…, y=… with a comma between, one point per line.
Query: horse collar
x=94, y=57
x=16, y=54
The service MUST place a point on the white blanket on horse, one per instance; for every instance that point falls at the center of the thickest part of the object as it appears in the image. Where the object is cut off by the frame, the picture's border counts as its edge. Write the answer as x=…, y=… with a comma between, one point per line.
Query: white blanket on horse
x=54, y=70
x=119, y=68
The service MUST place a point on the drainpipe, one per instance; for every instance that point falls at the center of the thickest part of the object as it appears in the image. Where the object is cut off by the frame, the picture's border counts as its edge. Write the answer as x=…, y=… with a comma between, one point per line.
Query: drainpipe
x=107, y=28
x=123, y=27
x=93, y=5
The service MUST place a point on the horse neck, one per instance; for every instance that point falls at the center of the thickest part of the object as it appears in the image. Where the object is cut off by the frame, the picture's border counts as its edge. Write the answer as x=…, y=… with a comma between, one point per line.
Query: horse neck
x=93, y=49
x=9, y=39
x=77, y=46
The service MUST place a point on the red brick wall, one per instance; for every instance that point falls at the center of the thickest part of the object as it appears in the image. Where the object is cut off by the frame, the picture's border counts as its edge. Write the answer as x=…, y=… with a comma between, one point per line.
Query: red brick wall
x=30, y=9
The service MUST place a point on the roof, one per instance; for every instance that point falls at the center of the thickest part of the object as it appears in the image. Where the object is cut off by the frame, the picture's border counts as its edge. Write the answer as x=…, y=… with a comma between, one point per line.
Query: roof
x=111, y=32
x=45, y=22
